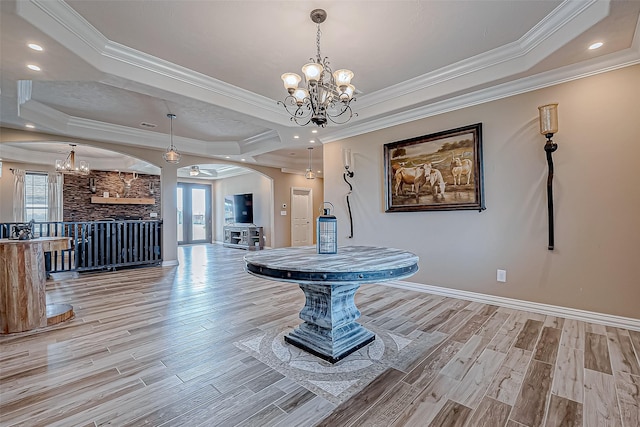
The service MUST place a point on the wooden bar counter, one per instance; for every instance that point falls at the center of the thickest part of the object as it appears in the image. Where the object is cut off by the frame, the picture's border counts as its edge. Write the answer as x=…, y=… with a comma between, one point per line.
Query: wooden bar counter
x=23, y=303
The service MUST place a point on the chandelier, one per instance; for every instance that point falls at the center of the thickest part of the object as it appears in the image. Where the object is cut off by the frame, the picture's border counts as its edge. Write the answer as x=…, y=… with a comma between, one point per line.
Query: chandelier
x=326, y=96
x=68, y=166
x=171, y=155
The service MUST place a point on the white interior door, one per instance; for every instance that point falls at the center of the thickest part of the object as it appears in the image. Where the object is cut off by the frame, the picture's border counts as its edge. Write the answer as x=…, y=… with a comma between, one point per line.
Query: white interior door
x=301, y=216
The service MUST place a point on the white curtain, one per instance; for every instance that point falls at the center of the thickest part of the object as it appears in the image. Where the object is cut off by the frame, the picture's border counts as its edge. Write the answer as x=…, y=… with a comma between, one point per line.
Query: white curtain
x=18, y=195
x=54, y=184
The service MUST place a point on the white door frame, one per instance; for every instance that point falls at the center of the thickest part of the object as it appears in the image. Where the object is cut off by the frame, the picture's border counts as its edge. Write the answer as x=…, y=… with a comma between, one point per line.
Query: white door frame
x=309, y=192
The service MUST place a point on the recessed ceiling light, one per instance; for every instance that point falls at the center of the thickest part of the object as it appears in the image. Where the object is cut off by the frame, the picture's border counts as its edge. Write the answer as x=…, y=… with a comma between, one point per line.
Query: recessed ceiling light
x=35, y=47
x=296, y=136
x=244, y=160
x=595, y=45
x=227, y=157
x=34, y=67
x=314, y=131
x=313, y=141
x=30, y=126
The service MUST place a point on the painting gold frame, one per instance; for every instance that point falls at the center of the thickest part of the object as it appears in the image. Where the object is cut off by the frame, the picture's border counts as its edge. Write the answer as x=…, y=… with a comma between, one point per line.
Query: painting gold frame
x=435, y=172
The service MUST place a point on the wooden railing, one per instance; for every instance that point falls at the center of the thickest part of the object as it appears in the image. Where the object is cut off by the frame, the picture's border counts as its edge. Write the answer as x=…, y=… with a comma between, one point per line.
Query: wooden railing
x=97, y=245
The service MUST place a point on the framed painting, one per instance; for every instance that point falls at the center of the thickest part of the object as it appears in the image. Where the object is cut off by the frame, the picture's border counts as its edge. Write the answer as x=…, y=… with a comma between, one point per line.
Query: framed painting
x=440, y=171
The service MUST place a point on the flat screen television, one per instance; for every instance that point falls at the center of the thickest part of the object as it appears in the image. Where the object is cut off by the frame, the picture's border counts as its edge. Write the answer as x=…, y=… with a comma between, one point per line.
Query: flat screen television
x=238, y=209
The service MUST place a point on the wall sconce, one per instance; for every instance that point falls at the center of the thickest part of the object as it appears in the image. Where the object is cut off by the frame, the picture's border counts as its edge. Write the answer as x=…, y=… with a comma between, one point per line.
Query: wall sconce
x=152, y=189
x=548, y=127
x=348, y=173
x=92, y=185
x=348, y=164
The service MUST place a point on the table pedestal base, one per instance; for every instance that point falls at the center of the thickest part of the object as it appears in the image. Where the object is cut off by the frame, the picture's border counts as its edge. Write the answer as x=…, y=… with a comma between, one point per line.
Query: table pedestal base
x=330, y=330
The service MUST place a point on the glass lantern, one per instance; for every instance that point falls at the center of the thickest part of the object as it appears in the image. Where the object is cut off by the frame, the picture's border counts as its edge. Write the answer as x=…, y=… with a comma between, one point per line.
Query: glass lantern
x=327, y=227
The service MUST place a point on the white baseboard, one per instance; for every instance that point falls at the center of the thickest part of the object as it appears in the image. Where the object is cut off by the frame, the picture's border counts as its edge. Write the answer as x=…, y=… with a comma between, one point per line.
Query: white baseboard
x=170, y=263
x=536, y=307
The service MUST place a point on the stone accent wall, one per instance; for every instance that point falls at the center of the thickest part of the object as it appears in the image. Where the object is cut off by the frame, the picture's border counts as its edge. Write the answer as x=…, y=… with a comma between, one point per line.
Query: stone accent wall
x=77, y=195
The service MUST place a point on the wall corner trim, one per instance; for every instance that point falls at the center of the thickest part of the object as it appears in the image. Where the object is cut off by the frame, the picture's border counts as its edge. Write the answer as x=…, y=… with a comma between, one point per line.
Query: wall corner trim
x=553, y=310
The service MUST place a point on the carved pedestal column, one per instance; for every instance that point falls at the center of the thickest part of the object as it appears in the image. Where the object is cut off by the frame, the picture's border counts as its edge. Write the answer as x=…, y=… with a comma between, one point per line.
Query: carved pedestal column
x=330, y=330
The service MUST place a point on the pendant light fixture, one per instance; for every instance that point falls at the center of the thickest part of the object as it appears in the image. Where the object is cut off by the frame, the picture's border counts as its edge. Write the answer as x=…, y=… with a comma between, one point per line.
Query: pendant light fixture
x=68, y=166
x=171, y=155
x=325, y=95
x=309, y=172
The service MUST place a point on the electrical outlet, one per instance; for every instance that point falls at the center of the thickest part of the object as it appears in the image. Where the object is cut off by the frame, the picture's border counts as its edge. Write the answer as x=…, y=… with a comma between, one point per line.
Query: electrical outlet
x=501, y=276
x=153, y=215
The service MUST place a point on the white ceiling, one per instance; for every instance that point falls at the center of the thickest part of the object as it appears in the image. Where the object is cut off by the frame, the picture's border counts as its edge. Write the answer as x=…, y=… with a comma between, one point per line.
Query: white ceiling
x=109, y=66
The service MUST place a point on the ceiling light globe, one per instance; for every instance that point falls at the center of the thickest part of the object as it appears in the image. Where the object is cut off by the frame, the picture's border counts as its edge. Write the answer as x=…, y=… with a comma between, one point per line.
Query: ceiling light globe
x=300, y=94
x=343, y=77
x=172, y=156
x=347, y=93
x=291, y=81
x=312, y=72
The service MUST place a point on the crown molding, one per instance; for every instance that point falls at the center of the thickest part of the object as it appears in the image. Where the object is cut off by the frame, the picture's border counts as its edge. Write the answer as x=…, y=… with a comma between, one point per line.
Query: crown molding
x=558, y=28
x=76, y=127
x=61, y=22
x=603, y=64
x=65, y=25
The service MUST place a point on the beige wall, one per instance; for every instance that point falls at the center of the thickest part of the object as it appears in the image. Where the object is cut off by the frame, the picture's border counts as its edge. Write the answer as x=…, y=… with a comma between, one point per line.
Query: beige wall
x=270, y=192
x=261, y=188
x=596, y=192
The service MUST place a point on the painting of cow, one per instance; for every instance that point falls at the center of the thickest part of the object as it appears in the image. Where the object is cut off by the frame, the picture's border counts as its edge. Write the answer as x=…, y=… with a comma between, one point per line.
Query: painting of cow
x=440, y=171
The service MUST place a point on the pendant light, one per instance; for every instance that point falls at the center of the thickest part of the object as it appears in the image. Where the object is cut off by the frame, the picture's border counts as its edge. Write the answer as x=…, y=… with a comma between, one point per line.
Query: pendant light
x=309, y=172
x=171, y=155
x=69, y=166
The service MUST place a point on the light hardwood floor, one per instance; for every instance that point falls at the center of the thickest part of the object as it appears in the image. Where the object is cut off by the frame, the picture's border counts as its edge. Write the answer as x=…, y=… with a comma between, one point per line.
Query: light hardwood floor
x=154, y=346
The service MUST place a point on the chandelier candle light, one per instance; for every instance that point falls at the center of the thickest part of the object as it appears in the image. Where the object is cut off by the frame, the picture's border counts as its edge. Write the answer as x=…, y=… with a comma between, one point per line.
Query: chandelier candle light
x=327, y=95
x=68, y=166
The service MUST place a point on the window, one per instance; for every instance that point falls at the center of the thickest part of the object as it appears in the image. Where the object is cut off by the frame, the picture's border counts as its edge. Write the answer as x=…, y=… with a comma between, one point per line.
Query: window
x=36, y=203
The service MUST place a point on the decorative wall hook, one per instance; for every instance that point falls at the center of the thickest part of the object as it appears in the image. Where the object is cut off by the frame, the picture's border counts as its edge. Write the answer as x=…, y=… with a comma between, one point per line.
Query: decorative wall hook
x=548, y=127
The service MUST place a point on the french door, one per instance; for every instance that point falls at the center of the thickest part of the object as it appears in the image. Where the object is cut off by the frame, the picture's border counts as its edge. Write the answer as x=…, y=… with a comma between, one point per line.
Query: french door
x=194, y=213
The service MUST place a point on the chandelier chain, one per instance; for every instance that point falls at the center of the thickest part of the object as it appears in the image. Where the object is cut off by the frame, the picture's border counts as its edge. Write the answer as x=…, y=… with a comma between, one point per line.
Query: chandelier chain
x=318, y=56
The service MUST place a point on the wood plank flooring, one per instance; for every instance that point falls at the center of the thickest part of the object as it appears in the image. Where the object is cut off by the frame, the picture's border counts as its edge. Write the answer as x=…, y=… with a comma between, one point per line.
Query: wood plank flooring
x=154, y=346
